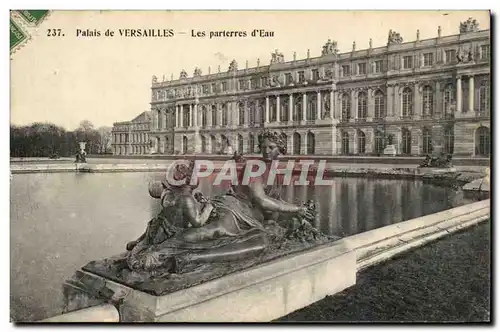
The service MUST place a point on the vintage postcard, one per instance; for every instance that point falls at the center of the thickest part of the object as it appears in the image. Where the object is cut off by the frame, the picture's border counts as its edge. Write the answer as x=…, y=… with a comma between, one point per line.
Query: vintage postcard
x=250, y=166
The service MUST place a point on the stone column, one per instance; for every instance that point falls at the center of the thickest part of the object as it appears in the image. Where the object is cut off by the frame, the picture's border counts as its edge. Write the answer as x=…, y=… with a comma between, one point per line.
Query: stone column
x=195, y=115
x=278, y=109
x=247, y=114
x=219, y=115
x=181, y=115
x=355, y=142
x=209, y=117
x=266, y=119
x=318, y=106
x=290, y=108
x=354, y=109
x=165, y=118
x=332, y=105
x=304, y=106
x=417, y=109
x=190, y=115
x=177, y=116
x=370, y=105
x=197, y=137
x=304, y=139
x=389, y=102
x=471, y=93
x=459, y=94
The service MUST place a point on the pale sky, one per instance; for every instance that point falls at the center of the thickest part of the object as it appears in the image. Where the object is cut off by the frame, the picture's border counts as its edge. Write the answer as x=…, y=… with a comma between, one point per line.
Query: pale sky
x=64, y=80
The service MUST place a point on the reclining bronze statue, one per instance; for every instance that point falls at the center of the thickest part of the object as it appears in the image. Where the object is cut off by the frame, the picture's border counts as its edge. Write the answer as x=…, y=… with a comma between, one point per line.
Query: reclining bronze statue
x=205, y=237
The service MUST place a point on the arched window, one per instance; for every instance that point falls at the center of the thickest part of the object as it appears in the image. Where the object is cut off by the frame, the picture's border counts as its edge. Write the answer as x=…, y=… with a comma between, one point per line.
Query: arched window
x=262, y=111
x=213, y=144
x=224, y=115
x=449, y=140
x=297, y=108
x=361, y=142
x=224, y=142
x=167, y=145
x=345, y=142
x=482, y=140
x=204, y=116
x=427, y=101
x=296, y=143
x=379, y=142
x=362, y=105
x=311, y=107
x=406, y=141
x=272, y=110
x=346, y=106
x=407, y=109
x=214, y=115
x=184, y=145
x=284, y=109
x=251, y=114
x=286, y=140
x=203, y=144
x=311, y=143
x=241, y=115
x=158, y=119
x=187, y=115
x=448, y=98
x=240, y=144
x=484, y=98
x=379, y=104
x=251, y=143
x=426, y=141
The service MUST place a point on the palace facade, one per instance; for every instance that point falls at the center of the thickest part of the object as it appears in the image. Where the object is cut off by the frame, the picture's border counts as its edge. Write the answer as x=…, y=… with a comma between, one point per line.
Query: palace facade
x=422, y=96
x=132, y=137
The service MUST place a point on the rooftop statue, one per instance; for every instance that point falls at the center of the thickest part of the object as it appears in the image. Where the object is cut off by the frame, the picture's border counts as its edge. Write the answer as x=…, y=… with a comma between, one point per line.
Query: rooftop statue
x=197, y=72
x=183, y=74
x=154, y=79
x=471, y=25
x=195, y=238
x=233, y=66
x=330, y=47
x=394, y=38
x=277, y=57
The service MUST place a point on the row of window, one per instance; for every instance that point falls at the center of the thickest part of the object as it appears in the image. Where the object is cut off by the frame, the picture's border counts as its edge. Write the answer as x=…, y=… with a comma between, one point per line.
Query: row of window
x=407, y=102
x=380, y=101
x=132, y=138
x=408, y=62
x=482, y=141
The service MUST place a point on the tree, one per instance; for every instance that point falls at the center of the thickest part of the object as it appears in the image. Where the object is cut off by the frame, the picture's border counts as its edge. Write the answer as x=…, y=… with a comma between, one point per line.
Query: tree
x=104, y=139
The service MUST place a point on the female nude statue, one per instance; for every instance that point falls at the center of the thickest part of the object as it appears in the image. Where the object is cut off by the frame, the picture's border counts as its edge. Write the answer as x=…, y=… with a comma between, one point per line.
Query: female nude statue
x=229, y=227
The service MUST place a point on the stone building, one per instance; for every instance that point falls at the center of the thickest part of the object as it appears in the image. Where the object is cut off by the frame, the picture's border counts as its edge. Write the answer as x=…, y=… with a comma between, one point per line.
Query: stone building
x=132, y=137
x=423, y=96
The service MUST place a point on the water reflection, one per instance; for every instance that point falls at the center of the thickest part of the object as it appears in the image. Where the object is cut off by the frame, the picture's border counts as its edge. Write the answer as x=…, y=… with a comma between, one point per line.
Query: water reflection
x=59, y=222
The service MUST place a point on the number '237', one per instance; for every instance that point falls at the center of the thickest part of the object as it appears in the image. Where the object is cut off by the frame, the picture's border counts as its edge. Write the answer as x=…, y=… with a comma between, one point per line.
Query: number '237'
x=54, y=33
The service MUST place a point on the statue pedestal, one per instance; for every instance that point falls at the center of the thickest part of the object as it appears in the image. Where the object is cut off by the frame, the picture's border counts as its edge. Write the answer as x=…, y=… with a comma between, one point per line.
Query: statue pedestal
x=258, y=294
x=390, y=150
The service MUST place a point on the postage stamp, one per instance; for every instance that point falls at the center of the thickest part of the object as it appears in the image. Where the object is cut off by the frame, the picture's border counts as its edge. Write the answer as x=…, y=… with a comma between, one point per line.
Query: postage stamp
x=17, y=36
x=33, y=17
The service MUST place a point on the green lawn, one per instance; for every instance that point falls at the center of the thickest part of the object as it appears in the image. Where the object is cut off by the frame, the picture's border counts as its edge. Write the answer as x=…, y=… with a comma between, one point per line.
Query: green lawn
x=445, y=281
